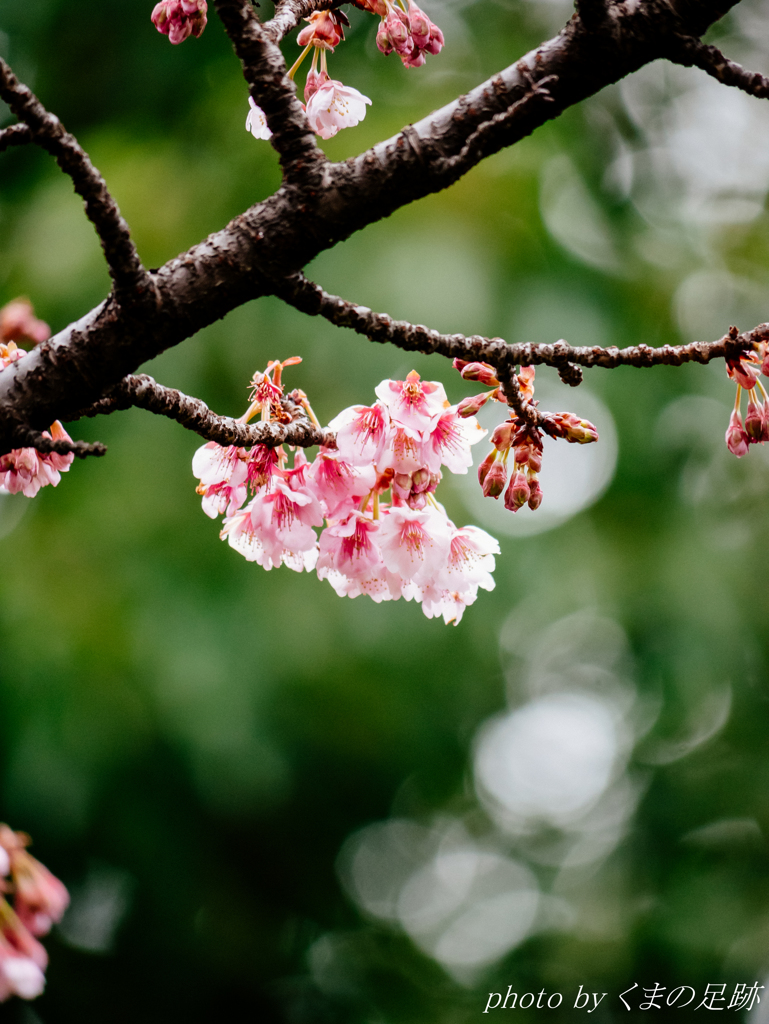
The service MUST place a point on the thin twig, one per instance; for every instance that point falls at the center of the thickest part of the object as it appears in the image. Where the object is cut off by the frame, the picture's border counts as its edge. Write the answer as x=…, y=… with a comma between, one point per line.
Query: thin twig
x=309, y=298
x=143, y=392
x=15, y=135
x=125, y=267
x=28, y=438
x=694, y=53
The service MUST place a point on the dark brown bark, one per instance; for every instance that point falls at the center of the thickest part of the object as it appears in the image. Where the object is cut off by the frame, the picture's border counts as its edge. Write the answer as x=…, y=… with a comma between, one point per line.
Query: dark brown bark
x=322, y=203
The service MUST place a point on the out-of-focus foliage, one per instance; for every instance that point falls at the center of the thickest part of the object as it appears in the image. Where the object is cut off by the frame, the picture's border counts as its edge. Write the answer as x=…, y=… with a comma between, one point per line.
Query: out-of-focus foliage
x=271, y=802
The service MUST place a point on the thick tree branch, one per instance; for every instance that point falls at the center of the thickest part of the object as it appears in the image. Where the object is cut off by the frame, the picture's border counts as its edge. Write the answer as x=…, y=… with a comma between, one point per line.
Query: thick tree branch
x=15, y=135
x=694, y=53
x=285, y=232
x=265, y=71
x=143, y=392
x=130, y=278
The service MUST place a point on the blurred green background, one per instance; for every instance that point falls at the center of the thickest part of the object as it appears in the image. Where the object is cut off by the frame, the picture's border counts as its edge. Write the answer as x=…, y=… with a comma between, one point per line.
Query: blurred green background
x=272, y=803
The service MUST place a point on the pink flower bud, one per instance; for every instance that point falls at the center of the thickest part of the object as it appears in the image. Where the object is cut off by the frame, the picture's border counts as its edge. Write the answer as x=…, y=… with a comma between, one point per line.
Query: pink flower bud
x=179, y=19
x=736, y=438
x=535, y=498
x=485, y=466
x=518, y=491
x=575, y=430
x=754, y=422
x=398, y=31
x=436, y=41
x=383, y=41
x=325, y=31
x=414, y=59
x=470, y=406
x=494, y=483
x=315, y=80
x=502, y=438
x=420, y=25
x=482, y=372
x=420, y=480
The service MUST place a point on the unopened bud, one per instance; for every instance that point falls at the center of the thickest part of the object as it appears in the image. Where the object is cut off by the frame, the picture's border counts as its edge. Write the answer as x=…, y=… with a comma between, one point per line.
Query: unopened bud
x=754, y=422
x=383, y=41
x=518, y=492
x=486, y=465
x=470, y=406
x=436, y=40
x=398, y=31
x=502, y=438
x=481, y=372
x=401, y=485
x=736, y=438
x=575, y=430
x=535, y=497
x=494, y=483
x=742, y=371
x=420, y=480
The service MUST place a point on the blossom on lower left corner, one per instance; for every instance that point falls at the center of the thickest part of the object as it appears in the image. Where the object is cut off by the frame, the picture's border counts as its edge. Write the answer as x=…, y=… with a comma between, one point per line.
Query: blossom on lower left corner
x=39, y=901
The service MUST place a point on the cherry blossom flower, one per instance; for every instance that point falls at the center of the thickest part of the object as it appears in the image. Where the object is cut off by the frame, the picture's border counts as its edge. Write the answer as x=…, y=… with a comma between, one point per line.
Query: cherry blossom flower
x=178, y=19
x=414, y=544
x=362, y=432
x=223, y=473
x=334, y=106
x=26, y=470
x=256, y=122
x=275, y=528
x=413, y=402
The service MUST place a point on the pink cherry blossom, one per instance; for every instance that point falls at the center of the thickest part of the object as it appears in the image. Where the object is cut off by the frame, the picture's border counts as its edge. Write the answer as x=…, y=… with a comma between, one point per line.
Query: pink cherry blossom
x=256, y=122
x=18, y=323
x=414, y=544
x=276, y=528
x=335, y=106
x=737, y=440
x=362, y=432
x=26, y=470
x=413, y=402
x=222, y=473
x=337, y=482
x=450, y=440
x=350, y=547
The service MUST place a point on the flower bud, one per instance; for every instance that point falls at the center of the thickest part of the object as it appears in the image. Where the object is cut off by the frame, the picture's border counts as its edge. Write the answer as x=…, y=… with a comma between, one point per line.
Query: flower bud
x=420, y=480
x=485, y=466
x=575, y=430
x=436, y=41
x=494, y=482
x=481, y=372
x=420, y=25
x=535, y=498
x=736, y=438
x=398, y=31
x=401, y=485
x=470, y=406
x=383, y=41
x=502, y=438
x=754, y=422
x=518, y=492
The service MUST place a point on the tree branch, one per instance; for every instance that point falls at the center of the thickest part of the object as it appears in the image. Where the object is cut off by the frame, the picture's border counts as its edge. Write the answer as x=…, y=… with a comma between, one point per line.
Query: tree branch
x=694, y=53
x=15, y=135
x=282, y=234
x=265, y=71
x=143, y=392
x=309, y=298
x=28, y=438
x=129, y=276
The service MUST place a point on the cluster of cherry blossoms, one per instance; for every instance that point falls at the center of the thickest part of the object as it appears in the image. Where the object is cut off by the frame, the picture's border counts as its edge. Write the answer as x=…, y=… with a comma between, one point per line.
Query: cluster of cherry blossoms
x=329, y=105
x=382, y=531
x=515, y=435
x=39, y=901
x=26, y=469
x=754, y=429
